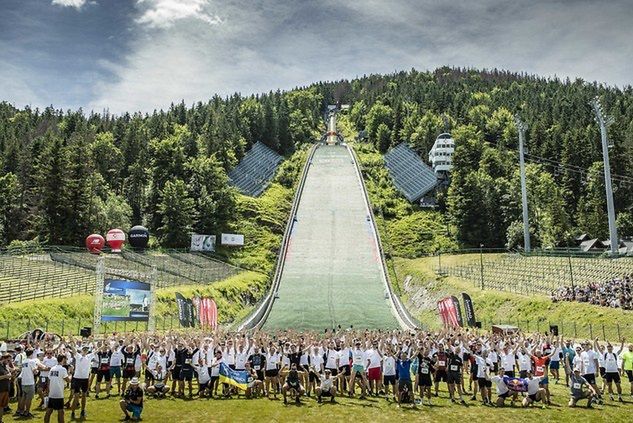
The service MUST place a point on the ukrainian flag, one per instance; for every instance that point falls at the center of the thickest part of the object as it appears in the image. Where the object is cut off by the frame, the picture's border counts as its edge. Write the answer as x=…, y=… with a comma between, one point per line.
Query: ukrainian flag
x=237, y=378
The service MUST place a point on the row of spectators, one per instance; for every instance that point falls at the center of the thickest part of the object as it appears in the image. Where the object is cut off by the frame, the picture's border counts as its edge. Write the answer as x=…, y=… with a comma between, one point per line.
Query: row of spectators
x=615, y=293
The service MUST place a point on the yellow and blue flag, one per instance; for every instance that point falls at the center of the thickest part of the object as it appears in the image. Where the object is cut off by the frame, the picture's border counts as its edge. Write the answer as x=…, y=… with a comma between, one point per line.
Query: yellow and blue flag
x=237, y=378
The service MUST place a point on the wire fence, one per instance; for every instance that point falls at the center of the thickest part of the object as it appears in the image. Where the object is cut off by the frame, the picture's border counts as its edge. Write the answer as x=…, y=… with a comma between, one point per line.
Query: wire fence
x=34, y=272
x=13, y=329
x=528, y=274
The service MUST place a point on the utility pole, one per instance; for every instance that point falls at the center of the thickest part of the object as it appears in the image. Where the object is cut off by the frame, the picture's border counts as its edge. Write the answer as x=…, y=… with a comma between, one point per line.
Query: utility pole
x=521, y=126
x=605, y=121
x=481, y=263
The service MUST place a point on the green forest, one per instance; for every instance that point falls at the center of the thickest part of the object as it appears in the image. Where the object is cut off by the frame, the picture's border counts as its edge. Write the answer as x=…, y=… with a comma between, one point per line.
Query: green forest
x=65, y=174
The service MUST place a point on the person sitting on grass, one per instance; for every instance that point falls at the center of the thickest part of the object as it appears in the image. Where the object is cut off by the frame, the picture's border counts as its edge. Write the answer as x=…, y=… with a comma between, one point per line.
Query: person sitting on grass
x=534, y=392
x=577, y=385
x=254, y=386
x=132, y=401
x=158, y=388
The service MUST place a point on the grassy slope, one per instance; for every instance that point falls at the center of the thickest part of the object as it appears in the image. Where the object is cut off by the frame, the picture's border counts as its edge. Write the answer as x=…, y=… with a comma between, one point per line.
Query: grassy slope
x=234, y=296
x=501, y=307
x=371, y=410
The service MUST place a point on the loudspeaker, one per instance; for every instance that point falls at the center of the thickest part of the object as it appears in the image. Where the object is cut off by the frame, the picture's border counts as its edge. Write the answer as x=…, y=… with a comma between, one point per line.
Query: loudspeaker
x=553, y=330
x=85, y=332
x=478, y=325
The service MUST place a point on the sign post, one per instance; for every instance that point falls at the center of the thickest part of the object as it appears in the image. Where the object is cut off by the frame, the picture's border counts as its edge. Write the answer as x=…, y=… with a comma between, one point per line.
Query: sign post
x=99, y=280
x=151, y=319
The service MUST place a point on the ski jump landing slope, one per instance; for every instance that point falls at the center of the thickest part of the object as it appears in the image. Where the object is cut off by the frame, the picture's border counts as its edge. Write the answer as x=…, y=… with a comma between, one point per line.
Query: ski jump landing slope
x=332, y=269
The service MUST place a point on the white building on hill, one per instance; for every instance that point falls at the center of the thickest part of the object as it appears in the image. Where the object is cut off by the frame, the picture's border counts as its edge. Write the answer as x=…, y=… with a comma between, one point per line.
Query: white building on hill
x=441, y=154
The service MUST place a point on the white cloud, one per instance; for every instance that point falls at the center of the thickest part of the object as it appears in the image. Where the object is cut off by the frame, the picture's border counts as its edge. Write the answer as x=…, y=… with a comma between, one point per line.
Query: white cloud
x=164, y=13
x=77, y=4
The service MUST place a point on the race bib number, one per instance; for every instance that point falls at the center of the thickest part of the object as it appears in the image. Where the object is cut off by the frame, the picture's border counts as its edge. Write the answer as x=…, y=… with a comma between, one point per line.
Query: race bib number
x=539, y=369
x=454, y=368
x=256, y=367
x=441, y=363
x=188, y=361
x=576, y=385
x=129, y=361
x=104, y=361
x=425, y=371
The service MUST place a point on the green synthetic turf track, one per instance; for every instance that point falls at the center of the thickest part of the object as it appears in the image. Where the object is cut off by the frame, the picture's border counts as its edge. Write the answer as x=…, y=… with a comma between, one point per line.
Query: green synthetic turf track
x=332, y=274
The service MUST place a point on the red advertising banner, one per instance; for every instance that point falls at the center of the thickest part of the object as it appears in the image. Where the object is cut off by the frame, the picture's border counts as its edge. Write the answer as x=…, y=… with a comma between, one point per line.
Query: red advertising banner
x=448, y=312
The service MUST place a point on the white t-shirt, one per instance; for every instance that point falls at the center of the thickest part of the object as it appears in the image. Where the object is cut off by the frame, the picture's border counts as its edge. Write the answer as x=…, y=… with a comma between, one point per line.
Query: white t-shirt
x=228, y=355
x=343, y=357
x=271, y=361
x=48, y=362
x=358, y=357
x=533, y=385
x=116, y=358
x=215, y=371
x=203, y=374
x=500, y=384
x=82, y=366
x=374, y=358
x=326, y=384
x=389, y=366
x=317, y=362
x=525, y=363
x=508, y=361
x=332, y=356
x=610, y=362
x=481, y=366
x=240, y=360
x=588, y=363
x=27, y=375
x=56, y=378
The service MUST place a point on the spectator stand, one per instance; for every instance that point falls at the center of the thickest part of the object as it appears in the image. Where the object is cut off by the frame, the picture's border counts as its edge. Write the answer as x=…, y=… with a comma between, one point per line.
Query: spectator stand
x=410, y=175
x=256, y=169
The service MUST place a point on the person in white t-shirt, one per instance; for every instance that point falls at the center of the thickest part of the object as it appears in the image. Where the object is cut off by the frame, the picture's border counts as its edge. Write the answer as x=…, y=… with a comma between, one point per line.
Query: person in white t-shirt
x=271, y=374
x=79, y=385
x=360, y=363
x=373, y=370
x=49, y=360
x=327, y=387
x=503, y=391
x=58, y=377
x=534, y=392
x=29, y=368
x=589, y=369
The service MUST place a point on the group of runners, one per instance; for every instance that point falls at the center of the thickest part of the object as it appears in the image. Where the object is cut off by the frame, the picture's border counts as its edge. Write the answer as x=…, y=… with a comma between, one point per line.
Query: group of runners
x=401, y=366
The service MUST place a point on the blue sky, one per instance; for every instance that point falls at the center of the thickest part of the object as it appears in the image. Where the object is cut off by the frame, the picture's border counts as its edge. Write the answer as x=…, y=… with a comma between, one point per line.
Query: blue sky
x=129, y=55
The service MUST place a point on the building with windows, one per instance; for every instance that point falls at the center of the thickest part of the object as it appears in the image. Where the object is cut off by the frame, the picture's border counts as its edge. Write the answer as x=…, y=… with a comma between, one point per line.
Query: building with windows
x=441, y=155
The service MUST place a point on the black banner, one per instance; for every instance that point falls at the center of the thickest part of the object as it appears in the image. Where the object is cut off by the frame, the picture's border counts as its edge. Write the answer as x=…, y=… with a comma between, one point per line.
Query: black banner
x=459, y=311
x=191, y=313
x=469, y=309
x=183, y=310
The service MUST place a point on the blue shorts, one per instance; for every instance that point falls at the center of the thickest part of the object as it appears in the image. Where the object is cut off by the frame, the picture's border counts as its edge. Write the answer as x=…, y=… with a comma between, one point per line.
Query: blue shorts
x=544, y=381
x=115, y=371
x=136, y=410
x=554, y=365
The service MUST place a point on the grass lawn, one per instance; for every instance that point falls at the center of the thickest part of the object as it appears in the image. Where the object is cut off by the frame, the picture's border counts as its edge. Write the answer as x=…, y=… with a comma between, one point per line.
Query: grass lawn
x=368, y=410
x=534, y=312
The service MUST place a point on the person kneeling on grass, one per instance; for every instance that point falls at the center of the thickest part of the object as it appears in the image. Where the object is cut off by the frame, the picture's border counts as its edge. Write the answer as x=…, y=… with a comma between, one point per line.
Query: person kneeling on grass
x=158, y=387
x=292, y=385
x=327, y=387
x=534, y=391
x=132, y=401
x=577, y=384
x=254, y=386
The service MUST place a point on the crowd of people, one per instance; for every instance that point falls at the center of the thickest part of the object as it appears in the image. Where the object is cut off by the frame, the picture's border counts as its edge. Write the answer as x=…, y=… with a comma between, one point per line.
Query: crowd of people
x=615, y=293
x=405, y=367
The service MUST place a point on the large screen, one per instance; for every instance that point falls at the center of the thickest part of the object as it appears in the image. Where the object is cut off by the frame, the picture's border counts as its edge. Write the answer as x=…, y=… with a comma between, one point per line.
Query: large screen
x=125, y=300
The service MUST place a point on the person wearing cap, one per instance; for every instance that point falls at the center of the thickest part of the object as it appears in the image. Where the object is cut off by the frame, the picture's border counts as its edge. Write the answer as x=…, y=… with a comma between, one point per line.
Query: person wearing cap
x=612, y=373
x=58, y=377
x=132, y=401
x=577, y=384
x=590, y=366
x=534, y=391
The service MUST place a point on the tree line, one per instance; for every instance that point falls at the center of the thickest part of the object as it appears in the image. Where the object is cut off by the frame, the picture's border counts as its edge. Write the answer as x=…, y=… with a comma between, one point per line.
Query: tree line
x=66, y=174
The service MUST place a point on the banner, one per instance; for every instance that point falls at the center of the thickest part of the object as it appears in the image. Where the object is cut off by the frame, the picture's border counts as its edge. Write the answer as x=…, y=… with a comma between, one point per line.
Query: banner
x=191, y=313
x=212, y=313
x=196, y=309
x=448, y=312
x=202, y=243
x=125, y=300
x=183, y=315
x=458, y=310
x=233, y=240
x=469, y=309
x=237, y=378
x=516, y=384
